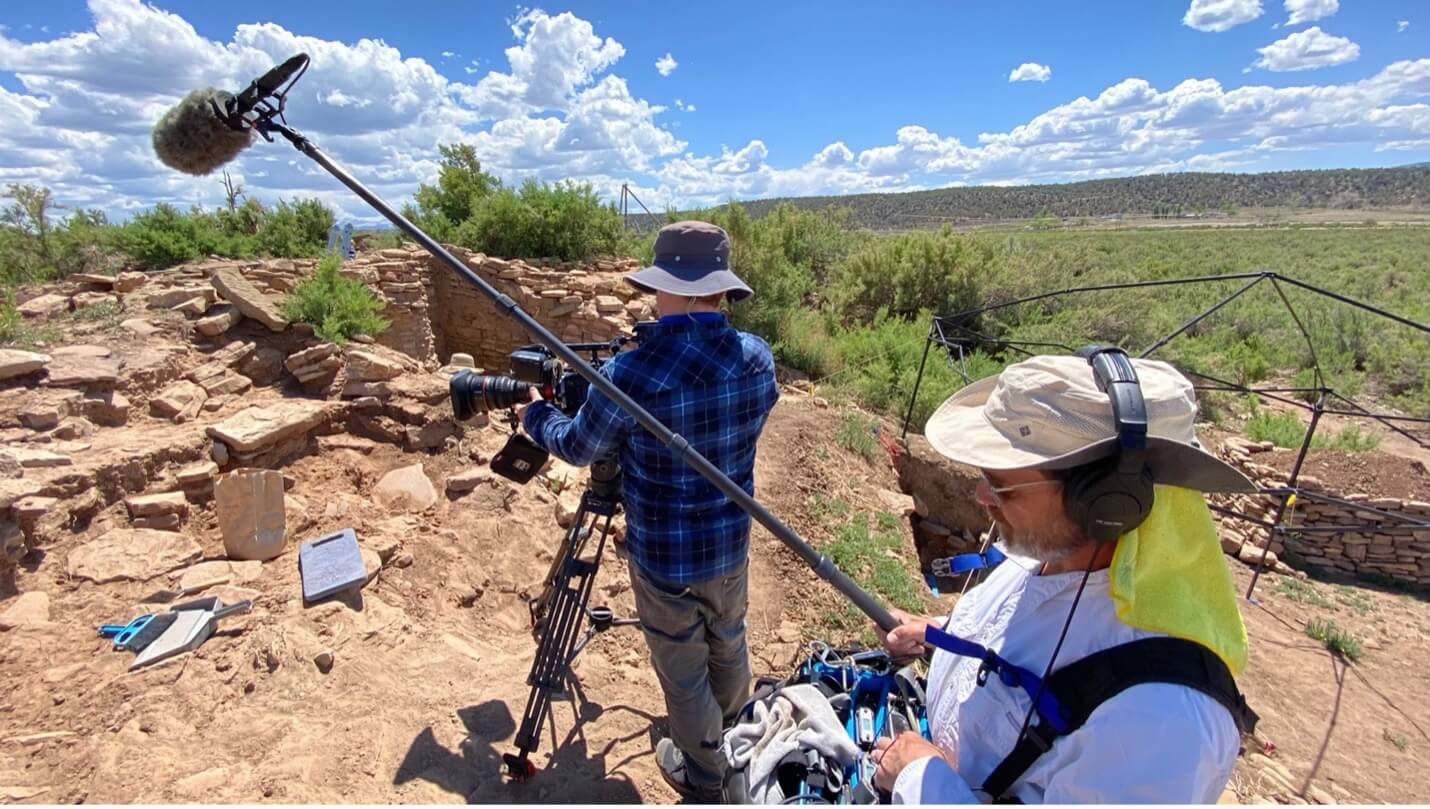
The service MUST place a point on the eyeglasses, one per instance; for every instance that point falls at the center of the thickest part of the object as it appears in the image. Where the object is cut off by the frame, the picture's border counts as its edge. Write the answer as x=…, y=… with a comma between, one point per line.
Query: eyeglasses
x=999, y=491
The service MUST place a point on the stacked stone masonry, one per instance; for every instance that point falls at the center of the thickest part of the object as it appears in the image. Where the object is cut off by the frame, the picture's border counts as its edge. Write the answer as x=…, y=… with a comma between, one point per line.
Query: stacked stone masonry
x=578, y=302
x=1400, y=555
x=434, y=313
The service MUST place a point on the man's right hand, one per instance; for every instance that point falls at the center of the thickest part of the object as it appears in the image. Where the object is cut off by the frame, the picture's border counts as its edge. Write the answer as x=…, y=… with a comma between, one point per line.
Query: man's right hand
x=907, y=639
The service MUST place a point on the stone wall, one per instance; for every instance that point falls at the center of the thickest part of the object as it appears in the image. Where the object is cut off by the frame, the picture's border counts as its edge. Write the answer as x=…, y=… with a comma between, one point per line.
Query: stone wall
x=947, y=520
x=435, y=313
x=578, y=302
x=1404, y=557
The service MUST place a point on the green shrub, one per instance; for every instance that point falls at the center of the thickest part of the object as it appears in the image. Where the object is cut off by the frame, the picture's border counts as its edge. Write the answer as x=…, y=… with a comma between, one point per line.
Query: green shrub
x=161, y=237
x=565, y=221
x=337, y=307
x=879, y=364
x=299, y=229
x=856, y=434
x=1336, y=639
x=803, y=341
x=469, y=207
x=913, y=272
x=1281, y=427
x=10, y=321
x=461, y=187
x=1353, y=438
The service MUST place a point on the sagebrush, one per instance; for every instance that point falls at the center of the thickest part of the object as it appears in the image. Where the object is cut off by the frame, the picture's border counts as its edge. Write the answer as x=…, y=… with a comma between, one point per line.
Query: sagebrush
x=338, y=308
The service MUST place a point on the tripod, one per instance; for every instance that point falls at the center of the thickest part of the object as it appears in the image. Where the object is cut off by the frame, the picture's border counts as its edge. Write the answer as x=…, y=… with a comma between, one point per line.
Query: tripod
x=557, y=613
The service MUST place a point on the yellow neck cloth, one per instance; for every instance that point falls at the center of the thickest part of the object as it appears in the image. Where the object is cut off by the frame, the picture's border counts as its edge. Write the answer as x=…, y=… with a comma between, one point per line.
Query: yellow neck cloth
x=1169, y=575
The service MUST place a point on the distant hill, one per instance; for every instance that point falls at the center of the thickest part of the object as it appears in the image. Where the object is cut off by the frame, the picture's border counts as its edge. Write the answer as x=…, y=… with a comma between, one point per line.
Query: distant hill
x=1406, y=186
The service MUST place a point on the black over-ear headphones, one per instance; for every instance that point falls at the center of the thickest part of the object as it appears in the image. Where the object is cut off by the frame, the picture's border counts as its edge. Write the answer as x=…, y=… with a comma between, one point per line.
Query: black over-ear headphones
x=1111, y=496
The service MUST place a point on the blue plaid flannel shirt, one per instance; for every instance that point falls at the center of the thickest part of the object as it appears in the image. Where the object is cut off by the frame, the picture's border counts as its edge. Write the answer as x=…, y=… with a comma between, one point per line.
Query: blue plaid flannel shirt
x=706, y=381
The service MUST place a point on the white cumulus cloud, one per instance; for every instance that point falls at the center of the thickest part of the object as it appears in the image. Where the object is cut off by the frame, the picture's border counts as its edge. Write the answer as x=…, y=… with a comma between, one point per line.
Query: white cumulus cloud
x=78, y=110
x=1220, y=15
x=555, y=58
x=1304, y=11
x=1216, y=16
x=1031, y=71
x=1306, y=50
x=1401, y=25
x=666, y=65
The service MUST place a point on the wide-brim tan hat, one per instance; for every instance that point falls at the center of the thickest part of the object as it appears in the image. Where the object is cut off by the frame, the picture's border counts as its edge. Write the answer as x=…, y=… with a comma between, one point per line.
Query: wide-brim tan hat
x=1047, y=413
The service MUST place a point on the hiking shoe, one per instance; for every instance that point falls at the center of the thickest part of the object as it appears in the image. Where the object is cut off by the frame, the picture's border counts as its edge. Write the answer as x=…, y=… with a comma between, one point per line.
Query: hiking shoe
x=675, y=773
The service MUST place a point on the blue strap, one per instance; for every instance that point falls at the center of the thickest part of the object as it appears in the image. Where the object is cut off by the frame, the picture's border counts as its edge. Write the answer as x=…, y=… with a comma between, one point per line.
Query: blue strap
x=965, y=562
x=1012, y=675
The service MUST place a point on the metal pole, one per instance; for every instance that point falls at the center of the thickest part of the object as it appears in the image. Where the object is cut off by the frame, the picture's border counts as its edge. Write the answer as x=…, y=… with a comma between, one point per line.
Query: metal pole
x=817, y=561
x=918, y=380
x=1199, y=318
x=1291, y=483
x=1353, y=302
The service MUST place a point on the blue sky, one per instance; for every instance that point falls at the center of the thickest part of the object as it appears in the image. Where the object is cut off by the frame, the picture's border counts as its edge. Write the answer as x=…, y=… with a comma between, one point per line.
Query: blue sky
x=761, y=99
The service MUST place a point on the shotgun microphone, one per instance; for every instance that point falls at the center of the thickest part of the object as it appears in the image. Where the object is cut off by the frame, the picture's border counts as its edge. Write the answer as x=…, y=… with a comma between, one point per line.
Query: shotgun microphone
x=210, y=127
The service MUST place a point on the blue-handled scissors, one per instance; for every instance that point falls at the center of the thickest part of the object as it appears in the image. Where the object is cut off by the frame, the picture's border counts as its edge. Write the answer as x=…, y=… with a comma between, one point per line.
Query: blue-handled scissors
x=123, y=633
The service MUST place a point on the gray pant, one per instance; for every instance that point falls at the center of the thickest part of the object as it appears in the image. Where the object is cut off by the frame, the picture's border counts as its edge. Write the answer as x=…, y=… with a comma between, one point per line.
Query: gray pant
x=696, y=635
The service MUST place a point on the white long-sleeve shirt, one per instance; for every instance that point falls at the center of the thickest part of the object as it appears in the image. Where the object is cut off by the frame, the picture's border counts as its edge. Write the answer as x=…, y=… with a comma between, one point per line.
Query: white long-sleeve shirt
x=1152, y=743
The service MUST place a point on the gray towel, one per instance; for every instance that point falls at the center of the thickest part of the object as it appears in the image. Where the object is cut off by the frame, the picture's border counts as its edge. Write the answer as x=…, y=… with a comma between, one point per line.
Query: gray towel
x=797, y=717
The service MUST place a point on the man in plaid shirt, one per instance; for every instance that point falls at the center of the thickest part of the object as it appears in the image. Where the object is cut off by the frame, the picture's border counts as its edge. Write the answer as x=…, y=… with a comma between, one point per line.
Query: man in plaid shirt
x=686, y=540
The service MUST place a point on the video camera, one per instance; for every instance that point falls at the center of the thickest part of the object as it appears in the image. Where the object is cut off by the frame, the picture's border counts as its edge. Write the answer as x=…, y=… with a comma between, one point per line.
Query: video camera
x=532, y=366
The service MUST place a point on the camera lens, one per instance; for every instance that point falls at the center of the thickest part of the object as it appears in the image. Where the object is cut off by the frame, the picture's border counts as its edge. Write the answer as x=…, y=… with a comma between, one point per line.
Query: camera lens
x=477, y=393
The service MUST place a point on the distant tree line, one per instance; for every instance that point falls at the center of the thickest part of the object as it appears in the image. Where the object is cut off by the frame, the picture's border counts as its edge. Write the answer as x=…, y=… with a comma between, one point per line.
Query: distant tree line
x=1158, y=195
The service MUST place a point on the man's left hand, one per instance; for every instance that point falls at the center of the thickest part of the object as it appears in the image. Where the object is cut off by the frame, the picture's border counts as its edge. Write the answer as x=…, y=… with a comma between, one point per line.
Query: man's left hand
x=893, y=755
x=535, y=395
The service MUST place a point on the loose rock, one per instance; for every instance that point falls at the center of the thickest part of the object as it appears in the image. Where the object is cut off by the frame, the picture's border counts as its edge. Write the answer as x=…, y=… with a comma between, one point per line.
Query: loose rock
x=44, y=306
x=247, y=299
x=30, y=609
x=251, y=513
x=406, y=488
x=14, y=362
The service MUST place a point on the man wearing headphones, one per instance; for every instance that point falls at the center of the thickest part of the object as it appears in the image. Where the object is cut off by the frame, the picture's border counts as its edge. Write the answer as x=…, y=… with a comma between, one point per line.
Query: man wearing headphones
x=1113, y=612
x=687, y=542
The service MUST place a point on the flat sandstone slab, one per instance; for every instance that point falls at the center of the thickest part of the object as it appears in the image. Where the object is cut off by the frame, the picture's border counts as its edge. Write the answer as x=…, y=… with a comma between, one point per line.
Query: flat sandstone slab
x=137, y=554
x=246, y=298
x=14, y=362
x=82, y=370
x=259, y=427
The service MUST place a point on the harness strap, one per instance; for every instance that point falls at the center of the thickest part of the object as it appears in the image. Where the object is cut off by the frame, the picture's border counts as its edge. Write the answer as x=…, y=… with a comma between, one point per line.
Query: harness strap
x=1011, y=675
x=965, y=562
x=1081, y=686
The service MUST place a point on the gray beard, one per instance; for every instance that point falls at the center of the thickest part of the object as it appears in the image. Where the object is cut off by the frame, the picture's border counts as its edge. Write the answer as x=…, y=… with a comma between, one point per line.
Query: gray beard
x=1042, y=547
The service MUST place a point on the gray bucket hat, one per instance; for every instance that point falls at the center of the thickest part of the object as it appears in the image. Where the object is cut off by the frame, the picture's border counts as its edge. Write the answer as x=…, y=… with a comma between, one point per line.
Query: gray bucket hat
x=691, y=259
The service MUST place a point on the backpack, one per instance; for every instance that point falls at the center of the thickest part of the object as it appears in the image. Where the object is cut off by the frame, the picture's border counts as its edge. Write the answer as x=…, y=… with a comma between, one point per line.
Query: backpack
x=1077, y=689
x=870, y=694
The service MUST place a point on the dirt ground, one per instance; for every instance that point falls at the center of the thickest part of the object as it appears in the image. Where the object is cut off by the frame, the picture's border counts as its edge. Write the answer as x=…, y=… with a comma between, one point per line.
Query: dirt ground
x=1360, y=731
x=427, y=682
x=427, y=685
